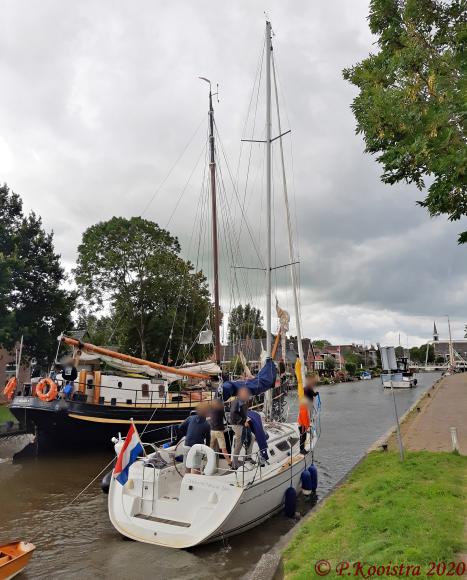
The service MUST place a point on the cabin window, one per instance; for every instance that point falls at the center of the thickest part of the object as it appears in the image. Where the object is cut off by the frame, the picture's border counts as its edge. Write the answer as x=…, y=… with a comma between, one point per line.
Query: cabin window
x=145, y=390
x=161, y=391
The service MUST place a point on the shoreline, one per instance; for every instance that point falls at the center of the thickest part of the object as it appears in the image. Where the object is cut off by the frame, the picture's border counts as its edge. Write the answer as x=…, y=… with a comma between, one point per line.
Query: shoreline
x=270, y=565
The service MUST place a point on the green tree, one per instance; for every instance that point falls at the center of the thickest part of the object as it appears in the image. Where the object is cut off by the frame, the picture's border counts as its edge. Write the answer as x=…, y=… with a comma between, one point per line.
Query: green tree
x=354, y=358
x=415, y=354
x=431, y=353
x=159, y=303
x=399, y=351
x=102, y=330
x=411, y=104
x=33, y=302
x=329, y=363
x=236, y=366
x=245, y=321
x=321, y=343
x=351, y=368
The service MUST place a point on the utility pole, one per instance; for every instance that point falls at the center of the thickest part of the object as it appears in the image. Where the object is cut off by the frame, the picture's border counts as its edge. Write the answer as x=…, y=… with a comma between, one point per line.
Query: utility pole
x=452, y=362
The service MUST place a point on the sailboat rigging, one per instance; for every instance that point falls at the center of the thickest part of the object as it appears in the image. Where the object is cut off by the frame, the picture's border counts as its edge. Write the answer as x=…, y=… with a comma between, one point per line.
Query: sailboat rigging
x=164, y=504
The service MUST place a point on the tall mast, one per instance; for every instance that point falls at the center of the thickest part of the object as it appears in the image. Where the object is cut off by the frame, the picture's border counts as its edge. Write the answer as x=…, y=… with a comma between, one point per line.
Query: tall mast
x=293, y=272
x=215, y=249
x=268, y=186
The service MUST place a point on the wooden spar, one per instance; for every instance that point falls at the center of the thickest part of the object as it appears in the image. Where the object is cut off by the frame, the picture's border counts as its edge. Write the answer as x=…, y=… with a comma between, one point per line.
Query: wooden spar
x=215, y=250
x=87, y=346
x=276, y=345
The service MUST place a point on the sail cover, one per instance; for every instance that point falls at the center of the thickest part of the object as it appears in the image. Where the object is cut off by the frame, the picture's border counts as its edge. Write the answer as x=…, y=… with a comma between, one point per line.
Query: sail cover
x=263, y=381
x=209, y=367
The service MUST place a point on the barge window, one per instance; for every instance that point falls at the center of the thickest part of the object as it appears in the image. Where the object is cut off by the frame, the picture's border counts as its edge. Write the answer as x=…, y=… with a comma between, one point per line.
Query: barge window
x=145, y=390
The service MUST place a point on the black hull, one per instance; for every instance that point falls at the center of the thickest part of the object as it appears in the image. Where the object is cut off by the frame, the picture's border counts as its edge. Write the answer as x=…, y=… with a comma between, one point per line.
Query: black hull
x=76, y=425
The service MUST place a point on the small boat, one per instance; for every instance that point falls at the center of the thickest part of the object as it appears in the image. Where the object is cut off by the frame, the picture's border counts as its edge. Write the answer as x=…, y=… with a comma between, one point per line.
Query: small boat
x=14, y=557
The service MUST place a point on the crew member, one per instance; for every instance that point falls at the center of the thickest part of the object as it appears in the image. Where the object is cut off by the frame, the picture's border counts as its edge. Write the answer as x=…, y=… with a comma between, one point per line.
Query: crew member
x=217, y=421
x=239, y=421
x=196, y=430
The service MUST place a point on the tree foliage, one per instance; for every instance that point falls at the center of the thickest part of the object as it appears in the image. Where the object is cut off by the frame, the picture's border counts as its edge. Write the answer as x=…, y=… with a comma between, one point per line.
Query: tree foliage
x=411, y=104
x=158, y=302
x=33, y=302
x=355, y=358
x=321, y=343
x=418, y=354
x=351, y=368
x=330, y=363
x=245, y=322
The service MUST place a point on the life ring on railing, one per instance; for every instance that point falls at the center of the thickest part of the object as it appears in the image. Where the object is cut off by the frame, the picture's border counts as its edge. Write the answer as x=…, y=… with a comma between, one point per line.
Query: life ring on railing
x=52, y=392
x=198, y=450
x=10, y=388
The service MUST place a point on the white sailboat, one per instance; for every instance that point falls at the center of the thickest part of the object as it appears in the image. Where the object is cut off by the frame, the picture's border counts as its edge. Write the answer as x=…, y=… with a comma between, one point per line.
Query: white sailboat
x=162, y=504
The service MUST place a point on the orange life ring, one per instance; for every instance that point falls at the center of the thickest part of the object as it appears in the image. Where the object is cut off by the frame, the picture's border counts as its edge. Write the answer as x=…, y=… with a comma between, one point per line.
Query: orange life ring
x=10, y=388
x=51, y=394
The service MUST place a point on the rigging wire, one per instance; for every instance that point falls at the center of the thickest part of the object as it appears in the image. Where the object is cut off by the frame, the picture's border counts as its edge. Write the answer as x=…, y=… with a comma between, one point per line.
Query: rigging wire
x=190, y=140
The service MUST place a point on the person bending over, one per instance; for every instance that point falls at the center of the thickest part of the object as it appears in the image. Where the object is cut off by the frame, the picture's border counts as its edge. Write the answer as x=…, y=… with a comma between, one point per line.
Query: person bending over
x=196, y=429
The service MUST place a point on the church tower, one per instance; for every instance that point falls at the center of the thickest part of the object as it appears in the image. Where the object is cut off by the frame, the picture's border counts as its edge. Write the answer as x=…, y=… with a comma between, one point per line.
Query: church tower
x=435, y=333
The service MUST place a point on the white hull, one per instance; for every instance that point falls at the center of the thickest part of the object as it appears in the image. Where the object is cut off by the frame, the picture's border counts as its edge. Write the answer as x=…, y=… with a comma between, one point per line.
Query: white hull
x=259, y=502
x=396, y=381
x=161, y=507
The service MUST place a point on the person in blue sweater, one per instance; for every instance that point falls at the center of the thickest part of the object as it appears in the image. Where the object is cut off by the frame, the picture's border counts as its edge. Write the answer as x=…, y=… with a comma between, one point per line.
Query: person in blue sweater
x=196, y=429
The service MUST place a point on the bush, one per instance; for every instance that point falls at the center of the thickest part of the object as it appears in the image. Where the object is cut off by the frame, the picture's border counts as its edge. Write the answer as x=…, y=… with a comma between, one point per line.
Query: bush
x=351, y=368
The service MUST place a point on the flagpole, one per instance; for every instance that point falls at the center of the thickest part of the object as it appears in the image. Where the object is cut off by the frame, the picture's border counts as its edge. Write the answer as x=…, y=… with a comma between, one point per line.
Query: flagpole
x=137, y=433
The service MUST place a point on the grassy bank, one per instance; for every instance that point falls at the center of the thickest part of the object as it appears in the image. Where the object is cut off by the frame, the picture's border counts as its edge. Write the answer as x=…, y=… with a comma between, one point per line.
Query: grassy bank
x=5, y=415
x=387, y=512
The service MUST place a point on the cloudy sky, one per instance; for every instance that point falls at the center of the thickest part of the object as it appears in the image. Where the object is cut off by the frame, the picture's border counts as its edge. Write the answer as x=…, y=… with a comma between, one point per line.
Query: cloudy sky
x=100, y=99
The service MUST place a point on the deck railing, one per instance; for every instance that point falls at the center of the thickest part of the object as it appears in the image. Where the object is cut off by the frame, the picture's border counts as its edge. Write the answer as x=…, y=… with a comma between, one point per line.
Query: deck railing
x=135, y=397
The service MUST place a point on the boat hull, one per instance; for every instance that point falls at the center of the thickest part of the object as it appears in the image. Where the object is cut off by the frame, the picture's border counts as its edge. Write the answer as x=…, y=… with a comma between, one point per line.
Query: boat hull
x=64, y=424
x=159, y=505
x=18, y=556
x=259, y=502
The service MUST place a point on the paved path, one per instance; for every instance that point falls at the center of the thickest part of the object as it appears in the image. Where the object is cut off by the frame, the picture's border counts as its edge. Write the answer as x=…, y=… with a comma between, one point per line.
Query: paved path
x=446, y=407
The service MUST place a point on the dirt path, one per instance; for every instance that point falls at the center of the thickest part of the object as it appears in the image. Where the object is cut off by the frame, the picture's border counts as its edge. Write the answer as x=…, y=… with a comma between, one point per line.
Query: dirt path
x=428, y=426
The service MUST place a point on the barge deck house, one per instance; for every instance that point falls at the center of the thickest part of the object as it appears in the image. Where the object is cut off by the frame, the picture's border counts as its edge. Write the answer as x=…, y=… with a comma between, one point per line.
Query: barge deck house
x=103, y=403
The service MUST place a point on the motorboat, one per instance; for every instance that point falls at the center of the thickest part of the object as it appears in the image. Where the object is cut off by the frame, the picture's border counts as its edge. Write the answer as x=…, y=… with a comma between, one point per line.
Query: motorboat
x=14, y=557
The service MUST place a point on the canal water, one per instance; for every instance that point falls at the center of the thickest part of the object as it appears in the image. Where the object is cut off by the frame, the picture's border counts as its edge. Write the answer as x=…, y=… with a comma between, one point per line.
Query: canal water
x=77, y=540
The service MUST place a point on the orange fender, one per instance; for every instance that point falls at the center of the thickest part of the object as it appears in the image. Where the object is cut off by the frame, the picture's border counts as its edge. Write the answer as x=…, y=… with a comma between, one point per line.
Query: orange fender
x=10, y=388
x=52, y=392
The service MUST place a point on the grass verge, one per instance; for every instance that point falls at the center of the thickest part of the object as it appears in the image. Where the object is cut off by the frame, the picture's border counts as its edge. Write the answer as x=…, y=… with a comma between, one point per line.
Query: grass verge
x=5, y=415
x=387, y=512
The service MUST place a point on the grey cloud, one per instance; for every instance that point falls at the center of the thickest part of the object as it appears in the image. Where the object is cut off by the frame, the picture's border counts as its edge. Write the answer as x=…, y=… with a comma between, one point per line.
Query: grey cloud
x=100, y=99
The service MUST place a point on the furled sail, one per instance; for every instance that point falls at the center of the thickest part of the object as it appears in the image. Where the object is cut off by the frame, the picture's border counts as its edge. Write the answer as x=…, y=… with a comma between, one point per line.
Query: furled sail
x=263, y=381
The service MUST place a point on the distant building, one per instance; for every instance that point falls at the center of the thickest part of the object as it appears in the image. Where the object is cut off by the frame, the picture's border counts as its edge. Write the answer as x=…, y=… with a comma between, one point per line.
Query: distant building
x=315, y=358
x=441, y=347
x=8, y=368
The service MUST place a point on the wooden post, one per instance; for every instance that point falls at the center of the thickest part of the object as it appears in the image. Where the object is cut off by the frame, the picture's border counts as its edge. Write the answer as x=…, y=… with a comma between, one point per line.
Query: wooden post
x=97, y=387
x=82, y=381
x=454, y=440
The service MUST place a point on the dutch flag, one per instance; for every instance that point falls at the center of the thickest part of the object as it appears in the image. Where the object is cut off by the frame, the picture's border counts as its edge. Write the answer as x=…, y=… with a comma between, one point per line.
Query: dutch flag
x=128, y=455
